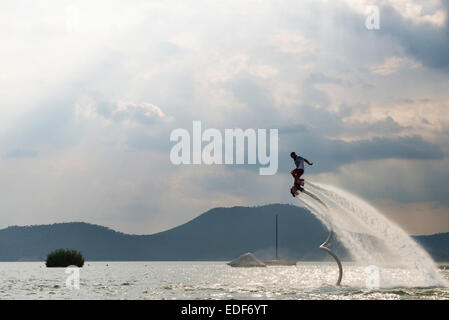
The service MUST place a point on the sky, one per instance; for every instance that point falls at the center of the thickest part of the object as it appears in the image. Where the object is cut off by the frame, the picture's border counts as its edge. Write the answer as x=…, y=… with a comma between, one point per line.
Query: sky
x=90, y=91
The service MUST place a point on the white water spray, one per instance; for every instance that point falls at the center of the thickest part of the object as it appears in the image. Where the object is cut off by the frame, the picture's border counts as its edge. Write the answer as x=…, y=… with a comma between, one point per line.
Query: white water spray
x=372, y=239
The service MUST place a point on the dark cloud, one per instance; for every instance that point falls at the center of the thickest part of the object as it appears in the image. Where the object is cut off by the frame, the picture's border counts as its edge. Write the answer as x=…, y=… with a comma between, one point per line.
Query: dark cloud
x=316, y=113
x=141, y=140
x=427, y=43
x=248, y=91
x=413, y=101
x=50, y=126
x=331, y=123
x=413, y=147
x=293, y=129
x=385, y=126
x=330, y=154
x=322, y=78
x=315, y=97
x=20, y=153
x=258, y=99
x=346, y=110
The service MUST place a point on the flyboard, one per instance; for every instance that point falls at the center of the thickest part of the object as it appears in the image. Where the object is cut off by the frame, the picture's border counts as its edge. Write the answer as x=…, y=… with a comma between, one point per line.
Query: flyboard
x=299, y=188
x=296, y=190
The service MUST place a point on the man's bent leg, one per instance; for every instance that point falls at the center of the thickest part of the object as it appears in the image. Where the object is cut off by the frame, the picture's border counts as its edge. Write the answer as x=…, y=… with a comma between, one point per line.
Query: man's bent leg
x=297, y=173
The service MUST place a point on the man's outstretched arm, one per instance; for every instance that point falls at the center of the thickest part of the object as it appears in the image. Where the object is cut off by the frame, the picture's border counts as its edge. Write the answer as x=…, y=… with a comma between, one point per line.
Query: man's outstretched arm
x=308, y=162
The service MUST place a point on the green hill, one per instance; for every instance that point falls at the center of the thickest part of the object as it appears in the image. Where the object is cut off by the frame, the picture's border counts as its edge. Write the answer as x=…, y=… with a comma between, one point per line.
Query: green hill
x=218, y=234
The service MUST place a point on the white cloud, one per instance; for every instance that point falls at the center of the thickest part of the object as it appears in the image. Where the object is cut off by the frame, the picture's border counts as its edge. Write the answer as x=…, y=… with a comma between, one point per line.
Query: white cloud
x=414, y=12
x=408, y=9
x=289, y=41
x=138, y=112
x=263, y=71
x=223, y=68
x=129, y=113
x=393, y=64
x=389, y=66
x=86, y=108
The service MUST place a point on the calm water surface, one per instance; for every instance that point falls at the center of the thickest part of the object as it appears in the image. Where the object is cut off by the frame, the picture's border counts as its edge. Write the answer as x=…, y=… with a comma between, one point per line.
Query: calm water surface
x=201, y=280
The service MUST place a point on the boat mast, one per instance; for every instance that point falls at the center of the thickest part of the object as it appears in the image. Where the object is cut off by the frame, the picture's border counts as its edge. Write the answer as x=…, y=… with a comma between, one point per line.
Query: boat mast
x=277, y=257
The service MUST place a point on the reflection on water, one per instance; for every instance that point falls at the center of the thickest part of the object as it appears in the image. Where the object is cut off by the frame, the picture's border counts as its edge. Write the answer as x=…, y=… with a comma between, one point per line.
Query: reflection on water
x=202, y=280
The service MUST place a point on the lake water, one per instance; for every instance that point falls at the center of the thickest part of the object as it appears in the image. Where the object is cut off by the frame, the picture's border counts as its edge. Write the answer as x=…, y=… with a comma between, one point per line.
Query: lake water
x=202, y=280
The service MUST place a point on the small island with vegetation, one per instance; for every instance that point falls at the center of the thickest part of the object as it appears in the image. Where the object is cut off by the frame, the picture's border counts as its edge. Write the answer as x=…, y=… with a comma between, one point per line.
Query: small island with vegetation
x=64, y=258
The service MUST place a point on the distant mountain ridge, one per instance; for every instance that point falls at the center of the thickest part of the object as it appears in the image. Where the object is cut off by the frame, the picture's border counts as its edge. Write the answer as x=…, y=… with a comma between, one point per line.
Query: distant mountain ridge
x=218, y=234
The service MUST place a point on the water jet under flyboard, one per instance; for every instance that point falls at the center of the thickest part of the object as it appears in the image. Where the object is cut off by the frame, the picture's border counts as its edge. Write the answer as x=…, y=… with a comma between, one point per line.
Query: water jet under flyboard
x=370, y=238
x=329, y=238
